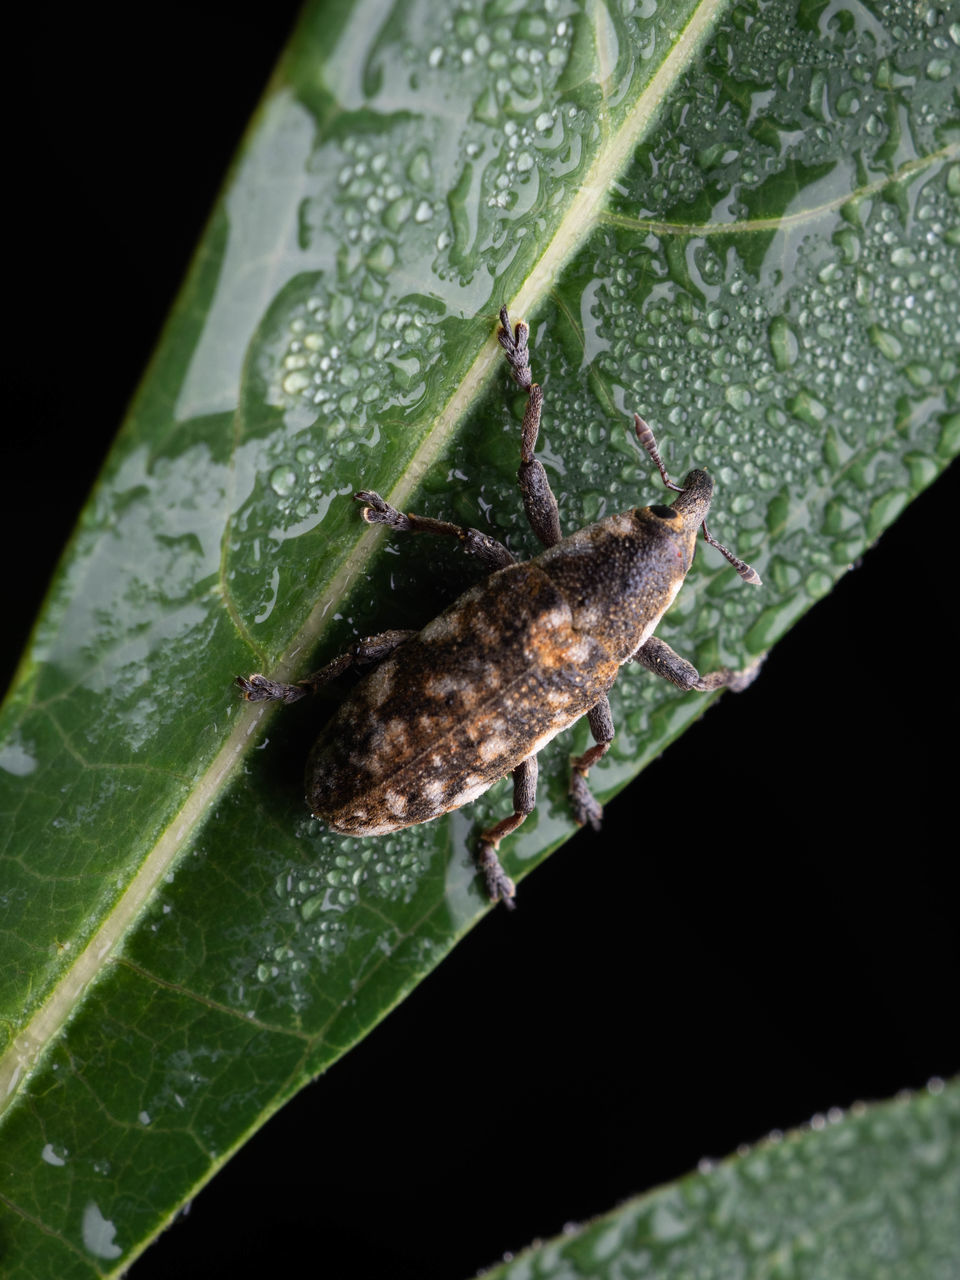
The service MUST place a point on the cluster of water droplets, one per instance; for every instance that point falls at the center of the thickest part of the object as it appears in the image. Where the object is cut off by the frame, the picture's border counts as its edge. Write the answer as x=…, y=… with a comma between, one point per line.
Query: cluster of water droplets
x=358, y=344
x=518, y=48
x=339, y=364
x=774, y=378
x=305, y=924
x=818, y=97
x=798, y=345
x=505, y=61
x=774, y=1201
x=466, y=145
x=311, y=925
x=454, y=139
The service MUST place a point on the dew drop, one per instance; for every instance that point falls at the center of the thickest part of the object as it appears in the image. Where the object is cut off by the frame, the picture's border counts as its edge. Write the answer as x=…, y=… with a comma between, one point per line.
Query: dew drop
x=398, y=212
x=783, y=343
x=738, y=396
x=938, y=68
x=887, y=343
x=312, y=907
x=903, y=256
x=296, y=382
x=283, y=480
x=817, y=584
x=808, y=408
x=849, y=244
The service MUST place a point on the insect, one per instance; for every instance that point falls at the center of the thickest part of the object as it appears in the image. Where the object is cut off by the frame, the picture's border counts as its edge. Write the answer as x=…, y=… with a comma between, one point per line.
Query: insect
x=449, y=710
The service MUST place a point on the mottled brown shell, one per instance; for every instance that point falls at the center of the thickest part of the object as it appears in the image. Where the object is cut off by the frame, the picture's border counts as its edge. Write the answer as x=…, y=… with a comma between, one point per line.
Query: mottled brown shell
x=517, y=659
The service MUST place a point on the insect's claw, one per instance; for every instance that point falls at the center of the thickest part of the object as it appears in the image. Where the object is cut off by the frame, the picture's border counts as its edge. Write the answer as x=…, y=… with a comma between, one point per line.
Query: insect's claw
x=500, y=888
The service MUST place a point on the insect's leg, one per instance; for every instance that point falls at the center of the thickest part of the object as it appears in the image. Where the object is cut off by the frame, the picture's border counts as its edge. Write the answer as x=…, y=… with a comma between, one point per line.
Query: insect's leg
x=499, y=885
x=258, y=688
x=657, y=656
x=585, y=807
x=376, y=511
x=735, y=681
x=538, y=500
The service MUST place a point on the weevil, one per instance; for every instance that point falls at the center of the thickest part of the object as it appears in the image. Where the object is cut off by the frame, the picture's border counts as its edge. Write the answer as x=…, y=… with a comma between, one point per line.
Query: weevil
x=449, y=710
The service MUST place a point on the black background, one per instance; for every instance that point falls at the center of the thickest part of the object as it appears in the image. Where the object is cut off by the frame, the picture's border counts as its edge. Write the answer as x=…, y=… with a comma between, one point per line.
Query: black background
x=764, y=981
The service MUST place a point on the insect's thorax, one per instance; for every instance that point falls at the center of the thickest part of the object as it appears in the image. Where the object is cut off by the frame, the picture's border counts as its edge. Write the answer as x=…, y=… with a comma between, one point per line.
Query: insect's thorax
x=619, y=576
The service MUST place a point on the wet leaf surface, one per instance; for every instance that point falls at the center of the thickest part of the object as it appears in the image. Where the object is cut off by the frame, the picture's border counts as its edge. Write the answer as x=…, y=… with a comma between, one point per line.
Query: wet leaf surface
x=870, y=1194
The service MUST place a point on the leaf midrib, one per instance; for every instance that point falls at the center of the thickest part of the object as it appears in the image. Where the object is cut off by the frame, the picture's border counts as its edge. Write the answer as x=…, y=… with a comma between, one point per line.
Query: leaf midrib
x=29, y=1046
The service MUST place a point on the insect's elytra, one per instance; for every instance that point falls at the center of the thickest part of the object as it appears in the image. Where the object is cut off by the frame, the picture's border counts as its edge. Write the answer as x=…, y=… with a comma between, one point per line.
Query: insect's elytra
x=449, y=710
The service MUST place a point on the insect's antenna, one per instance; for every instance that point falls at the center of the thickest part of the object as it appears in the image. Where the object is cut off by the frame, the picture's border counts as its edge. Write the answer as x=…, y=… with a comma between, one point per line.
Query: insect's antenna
x=646, y=438
x=745, y=571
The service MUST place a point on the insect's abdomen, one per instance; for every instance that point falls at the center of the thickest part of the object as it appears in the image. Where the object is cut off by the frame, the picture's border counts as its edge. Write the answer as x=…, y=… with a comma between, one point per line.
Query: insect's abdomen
x=456, y=708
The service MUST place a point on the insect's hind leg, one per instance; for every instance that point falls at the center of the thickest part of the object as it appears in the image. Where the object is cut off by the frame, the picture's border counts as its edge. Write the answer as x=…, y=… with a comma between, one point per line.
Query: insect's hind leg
x=538, y=499
x=499, y=885
x=370, y=649
x=486, y=549
x=657, y=656
x=586, y=808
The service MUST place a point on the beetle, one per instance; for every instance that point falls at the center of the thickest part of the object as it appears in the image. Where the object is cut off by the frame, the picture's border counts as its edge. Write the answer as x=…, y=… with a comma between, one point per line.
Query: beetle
x=449, y=710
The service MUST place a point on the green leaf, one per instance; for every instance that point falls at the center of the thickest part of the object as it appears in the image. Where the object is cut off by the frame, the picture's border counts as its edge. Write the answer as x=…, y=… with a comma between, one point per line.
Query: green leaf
x=770, y=280
x=873, y=1194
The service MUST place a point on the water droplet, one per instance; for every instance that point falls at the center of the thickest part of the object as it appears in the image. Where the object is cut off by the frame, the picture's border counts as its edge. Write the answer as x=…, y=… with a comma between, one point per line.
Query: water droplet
x=888, y=344
x=817, y=584
x=99, y=1233
x=313, y=906
x=885, y=510
x=382, y=257
x=296, y=382
x=903, y=256
x=783, y=343
x=738, y=396
x=848, y=243
x=920, y=375
x=808, y=408
x=283, y=480
x=398, y=212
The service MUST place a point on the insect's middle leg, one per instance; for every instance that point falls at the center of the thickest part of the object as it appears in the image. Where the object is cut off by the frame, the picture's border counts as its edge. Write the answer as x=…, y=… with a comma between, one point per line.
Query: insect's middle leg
x=486, y=549
x=499, y=885
x=586, y=808
x=258, y=688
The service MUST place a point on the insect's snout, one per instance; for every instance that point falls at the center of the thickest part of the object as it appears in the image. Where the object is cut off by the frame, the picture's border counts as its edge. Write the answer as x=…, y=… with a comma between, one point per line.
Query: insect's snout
x=693, y=501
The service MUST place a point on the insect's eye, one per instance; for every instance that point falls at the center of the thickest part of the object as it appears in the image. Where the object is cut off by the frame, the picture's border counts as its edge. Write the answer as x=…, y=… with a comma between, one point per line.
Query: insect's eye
x=665, y=513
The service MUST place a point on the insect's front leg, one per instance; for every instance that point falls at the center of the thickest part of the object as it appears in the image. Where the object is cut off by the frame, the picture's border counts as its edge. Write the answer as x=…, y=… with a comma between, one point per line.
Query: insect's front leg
x=499, y=885
x=586, y=808
x=257, y=688
x=486, y=549
x=657, y=656
x=538, y=499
